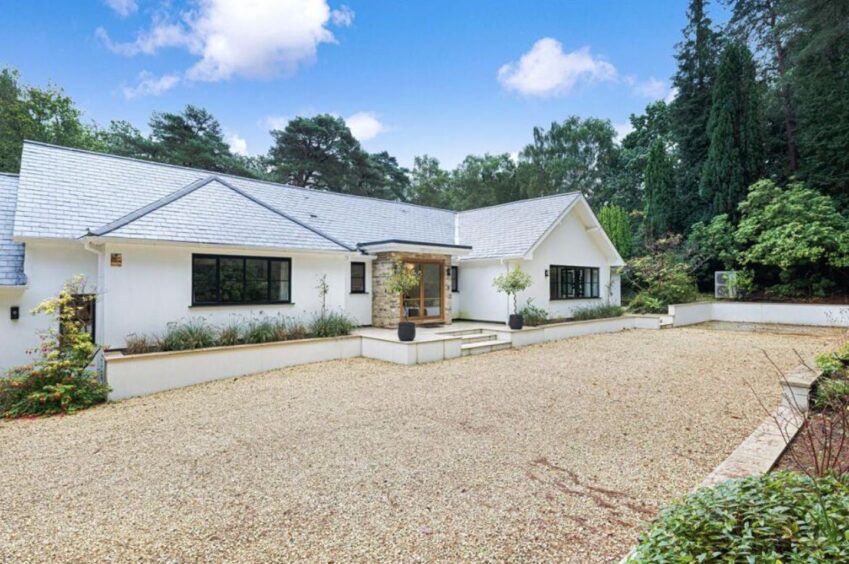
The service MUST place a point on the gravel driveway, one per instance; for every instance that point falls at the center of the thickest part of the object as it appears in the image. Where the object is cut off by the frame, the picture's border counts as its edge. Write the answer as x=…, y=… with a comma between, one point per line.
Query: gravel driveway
x=552, y=452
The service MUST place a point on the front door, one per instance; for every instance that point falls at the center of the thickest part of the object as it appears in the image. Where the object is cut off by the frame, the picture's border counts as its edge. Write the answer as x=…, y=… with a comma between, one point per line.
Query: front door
x=425, y=301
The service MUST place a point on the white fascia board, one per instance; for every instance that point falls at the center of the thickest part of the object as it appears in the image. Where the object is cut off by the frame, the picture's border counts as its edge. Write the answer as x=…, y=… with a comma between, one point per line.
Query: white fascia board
x=213, y=246
x=410, y=248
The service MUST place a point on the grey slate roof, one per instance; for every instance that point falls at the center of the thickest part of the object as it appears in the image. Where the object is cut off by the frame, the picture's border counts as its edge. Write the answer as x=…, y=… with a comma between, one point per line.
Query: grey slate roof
x=11, y=253
x=68, y=193
x=510, y=230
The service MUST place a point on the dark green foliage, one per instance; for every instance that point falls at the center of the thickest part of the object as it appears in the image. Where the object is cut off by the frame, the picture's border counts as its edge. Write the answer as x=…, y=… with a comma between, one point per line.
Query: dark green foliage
x=777, y=517
x=31, y=113
x=661, y=278
x=735, y=130
x=660, y=201
x=430, y=184
x=617, y=224
x=697, y=58
x=819, y=77
x=597, y=312
x=484, y=181
x=533, y=315
x=571, y=156
x=331, y=324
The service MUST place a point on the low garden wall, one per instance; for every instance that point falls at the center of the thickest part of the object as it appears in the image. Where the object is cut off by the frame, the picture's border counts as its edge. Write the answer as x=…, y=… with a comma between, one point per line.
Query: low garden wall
x=568, y=329
x=755, y=312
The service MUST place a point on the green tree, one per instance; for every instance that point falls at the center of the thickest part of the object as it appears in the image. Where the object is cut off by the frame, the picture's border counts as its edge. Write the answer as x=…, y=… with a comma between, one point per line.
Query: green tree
x=617, y=224
x=765, y=25
x=378, y=175
x=27, y=112
x=735, y=156
x=318, y=152
x=797, y=231
x=574, y=155
x=690, y=111
x=485, y=181
x=660, y=192
x=819, y=55
x=430, y=183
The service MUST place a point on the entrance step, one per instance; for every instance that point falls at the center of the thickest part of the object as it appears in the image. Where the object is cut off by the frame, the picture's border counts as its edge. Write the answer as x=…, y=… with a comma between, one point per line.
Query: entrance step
x=478, y=337
x=481, y=347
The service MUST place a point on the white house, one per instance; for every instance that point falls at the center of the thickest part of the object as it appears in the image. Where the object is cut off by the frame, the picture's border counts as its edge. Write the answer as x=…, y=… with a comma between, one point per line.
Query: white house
x=164, y=243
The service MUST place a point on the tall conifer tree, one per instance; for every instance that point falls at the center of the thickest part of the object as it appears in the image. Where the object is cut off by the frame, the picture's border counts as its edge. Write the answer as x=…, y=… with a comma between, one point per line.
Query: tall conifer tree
x=660, y=201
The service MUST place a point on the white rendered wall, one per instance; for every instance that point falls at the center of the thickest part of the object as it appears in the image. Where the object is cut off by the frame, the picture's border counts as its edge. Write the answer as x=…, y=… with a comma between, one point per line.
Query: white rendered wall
x=153, y=287
x=478, y=299
x=48, y=265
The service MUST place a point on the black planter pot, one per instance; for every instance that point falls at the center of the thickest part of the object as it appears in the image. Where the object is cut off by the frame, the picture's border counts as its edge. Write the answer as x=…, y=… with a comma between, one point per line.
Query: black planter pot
x=516, y=321
x=406, y=331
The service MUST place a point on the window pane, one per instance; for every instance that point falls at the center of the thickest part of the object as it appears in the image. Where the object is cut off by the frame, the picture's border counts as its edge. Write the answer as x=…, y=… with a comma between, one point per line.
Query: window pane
x=588, y=282
x=280, y=281
x=256, y=282
x=358, y=277
x=595, y=293
x=232, y=280
x=204, y=280
x=455, y=279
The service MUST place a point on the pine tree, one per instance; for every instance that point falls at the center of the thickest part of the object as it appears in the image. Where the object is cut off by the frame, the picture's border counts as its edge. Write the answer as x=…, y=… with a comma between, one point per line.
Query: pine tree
x=617, y=224
x=660, y=199
x=735, y=156
x=697, y=62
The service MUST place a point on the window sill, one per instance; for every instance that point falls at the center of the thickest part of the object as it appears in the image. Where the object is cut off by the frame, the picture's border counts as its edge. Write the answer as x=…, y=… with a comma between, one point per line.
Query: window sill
x=359, y=293
x=254, y=304
x=572, y=299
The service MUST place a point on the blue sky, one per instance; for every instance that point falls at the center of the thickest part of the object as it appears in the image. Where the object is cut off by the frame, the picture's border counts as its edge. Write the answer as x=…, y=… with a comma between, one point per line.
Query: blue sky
x=442, y=78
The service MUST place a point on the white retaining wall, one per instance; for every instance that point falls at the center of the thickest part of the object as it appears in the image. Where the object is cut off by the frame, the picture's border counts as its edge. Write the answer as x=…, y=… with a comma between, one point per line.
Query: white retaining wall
x=745, y=312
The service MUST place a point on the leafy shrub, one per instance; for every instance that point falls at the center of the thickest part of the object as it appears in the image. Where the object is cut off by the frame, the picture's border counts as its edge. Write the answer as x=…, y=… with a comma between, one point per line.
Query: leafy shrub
x=662, y=278
x=193, y=334
x=646, y=303
x=533, y=315
x=261, y=330
x=230, y=334
x=511, y=283
x=140, y=344
x=58, y=380
x=778, y=517
x=597, y=312
x=331, y=324
x=833, y=388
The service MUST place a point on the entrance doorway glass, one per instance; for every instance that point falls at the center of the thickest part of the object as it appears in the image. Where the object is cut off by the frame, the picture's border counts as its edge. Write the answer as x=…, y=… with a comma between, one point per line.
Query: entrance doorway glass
x=425, y=300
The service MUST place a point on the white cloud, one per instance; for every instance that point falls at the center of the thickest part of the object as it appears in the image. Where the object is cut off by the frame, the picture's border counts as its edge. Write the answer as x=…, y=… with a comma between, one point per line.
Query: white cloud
x=651, y=88
x=247, y=38
x=150, y=85
x=123, y=7
x=275, y=122
x=546, y=70
x=622, y=129
x=365, y=125
x=238, y=144
x=670, y=97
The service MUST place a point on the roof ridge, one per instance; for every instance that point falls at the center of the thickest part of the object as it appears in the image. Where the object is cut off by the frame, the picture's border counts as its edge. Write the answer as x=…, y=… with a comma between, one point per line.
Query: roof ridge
x=228, y=175
x=549, y=196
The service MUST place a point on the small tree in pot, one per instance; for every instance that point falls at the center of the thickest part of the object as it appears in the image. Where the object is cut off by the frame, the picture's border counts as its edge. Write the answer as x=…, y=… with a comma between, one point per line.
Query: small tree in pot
x=401, y=281
x=511, y=283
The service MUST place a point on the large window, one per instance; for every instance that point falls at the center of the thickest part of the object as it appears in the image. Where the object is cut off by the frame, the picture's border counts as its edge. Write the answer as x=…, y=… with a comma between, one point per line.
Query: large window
x=573, y=282
x=227, y=279
x=358, y=278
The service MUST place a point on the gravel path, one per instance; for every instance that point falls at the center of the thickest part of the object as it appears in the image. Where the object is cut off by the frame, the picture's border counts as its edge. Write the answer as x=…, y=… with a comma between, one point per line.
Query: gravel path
x=552, y=452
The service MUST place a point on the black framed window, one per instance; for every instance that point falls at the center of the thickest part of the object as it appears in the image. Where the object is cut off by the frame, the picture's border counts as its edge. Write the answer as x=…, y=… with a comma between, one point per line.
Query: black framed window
x=358, y=278
x=455, y=279
x=573, y=282
x=228, y=279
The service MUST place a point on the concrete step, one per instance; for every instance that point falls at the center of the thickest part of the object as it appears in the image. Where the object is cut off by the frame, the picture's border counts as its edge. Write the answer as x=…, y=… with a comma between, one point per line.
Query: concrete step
x=484, y=347
x=478, y=337
x=462, y=332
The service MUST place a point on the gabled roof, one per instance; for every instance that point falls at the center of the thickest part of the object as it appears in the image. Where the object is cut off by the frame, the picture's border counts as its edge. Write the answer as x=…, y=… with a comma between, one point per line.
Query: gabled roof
x=211, y=211
x=70, y=193
x=11, y=253
x=511, y=230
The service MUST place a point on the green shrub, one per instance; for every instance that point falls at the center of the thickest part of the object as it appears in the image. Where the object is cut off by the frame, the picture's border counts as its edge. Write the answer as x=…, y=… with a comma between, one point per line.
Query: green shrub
x=140, y=344
x=662, y=278
x=833, y=388
x=646, y=303
x=597, y=312
x=193, y=334
x=58, y=380
x=261, y=330
x=230, y=334
x=533, y=315
x=331, y=324
x=778, y=517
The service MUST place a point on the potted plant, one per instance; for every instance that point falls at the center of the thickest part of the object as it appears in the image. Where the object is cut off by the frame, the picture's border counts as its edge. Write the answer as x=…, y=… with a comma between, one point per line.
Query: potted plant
x=401, y=281
x=511, y=283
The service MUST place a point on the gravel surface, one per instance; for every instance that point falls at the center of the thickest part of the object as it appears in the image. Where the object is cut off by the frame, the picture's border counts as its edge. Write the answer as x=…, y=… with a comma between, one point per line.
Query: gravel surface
x=552, y=452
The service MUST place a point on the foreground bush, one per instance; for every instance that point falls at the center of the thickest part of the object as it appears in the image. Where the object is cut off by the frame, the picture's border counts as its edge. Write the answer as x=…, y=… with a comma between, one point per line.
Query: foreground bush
x=533, y=315
x=331, y=324
x=58, y=380
x=779, y=517
x=661, y=278
x=597, y=312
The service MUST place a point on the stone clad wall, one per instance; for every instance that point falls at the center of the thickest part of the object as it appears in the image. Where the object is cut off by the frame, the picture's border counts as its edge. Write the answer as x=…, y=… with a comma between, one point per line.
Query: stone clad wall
x=385, y=306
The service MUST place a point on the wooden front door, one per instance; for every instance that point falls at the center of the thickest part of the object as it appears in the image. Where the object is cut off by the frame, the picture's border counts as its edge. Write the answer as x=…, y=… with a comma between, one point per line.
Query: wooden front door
x=425, y=302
